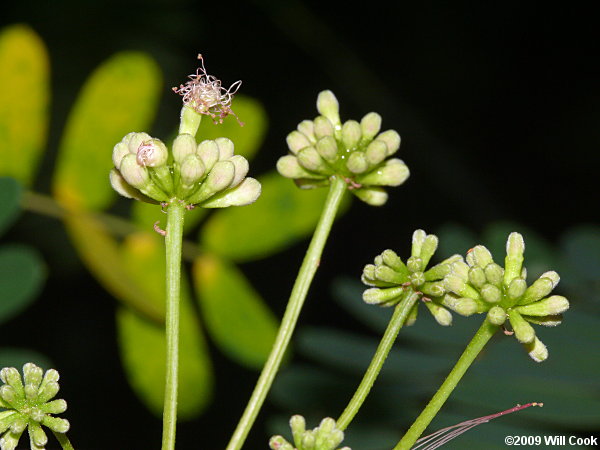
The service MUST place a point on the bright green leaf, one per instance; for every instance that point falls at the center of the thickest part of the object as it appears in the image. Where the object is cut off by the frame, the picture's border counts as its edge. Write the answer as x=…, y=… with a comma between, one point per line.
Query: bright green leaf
x=121, y=96
x=281, y=216
x=24, y=96
x=10, y=198
x=236, y=316
x=21, y=275
x=248, y=138
x=143, y=343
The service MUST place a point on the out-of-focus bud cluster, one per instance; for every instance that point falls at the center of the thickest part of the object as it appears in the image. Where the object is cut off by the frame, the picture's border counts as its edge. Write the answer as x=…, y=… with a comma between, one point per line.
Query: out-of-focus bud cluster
x=324, y=437
x=28, y=404
x=355, y=151
x=206, y=174
x=394, y=281
x=503, y=293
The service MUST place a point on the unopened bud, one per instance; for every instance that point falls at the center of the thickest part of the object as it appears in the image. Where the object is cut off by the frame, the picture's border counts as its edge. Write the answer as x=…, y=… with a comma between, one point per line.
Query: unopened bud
x=418, y=239
x=37, y=435
x=56, y=424
x=245, y=193
x=537, y=350
x=414, y=264
x=226, y=148
x=152, y=153
x=439, y=313
x=327, y=148
x=328, y=106
x=516, y=289
x=556, y=304
x=289, y=167
x=310, y=159
x=351, y=134
x=241, y=169
x=491, y=293
x=496, y=315
x=134, y=140
x=376, y=152
x=298, y=426
x=370, y=125
x=391, y=259
x=376, y=296
x=136, y=175
x=515, y=247
x=428, y=249
x=391, y=139
x=323, y=127
x=184, y=145
x=357, y=163
x=119, y=151
x=389, y=275
x=208, y=151
x=494, y=274
x=191, y=170
x=540, y=288
x=279, y=443
x=219, y=178
x=11, y=376
x=477, y=276
x=54, y=407
x=523, y=331
x=432, y=289
x=307, y=128
x=372, y=195
x=479, y=256
x=393, y=173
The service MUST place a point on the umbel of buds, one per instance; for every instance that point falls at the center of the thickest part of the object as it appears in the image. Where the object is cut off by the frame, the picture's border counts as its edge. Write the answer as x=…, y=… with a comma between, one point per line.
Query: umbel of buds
x=206, y=174
x=28, y=404
x=504, y=295
x=355, y=151
x=394, y=281
x=324, y=437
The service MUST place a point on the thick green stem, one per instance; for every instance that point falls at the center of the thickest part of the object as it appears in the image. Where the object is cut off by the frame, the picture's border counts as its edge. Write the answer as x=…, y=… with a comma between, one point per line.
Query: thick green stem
x=189, y=121
x=396, y=322
x=290, y=317
x=63, y=440
x=483, y=335
x=173, y=244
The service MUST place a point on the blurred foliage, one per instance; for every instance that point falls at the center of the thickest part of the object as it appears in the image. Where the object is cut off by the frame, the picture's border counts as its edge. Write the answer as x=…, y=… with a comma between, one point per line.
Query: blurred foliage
x=120, y=96
x=567, y=383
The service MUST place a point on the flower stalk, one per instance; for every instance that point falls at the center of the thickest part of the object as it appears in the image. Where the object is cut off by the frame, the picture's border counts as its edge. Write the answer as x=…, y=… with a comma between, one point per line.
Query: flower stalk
x=292, y=312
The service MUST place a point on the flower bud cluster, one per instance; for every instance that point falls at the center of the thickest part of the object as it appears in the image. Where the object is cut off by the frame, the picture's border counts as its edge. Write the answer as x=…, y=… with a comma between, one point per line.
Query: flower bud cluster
x=28, y=404
x=394, y=281
x=355, y=151
x=324, y=437
x=206, y=174
x=503, y=293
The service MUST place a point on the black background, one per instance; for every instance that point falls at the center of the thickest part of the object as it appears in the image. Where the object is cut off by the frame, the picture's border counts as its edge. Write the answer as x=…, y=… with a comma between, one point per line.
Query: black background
x=496, y=102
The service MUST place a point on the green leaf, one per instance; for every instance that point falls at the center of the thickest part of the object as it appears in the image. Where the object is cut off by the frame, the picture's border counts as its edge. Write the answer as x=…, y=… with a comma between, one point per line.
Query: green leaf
x=248, y=138
x=10, y=199
x=17, y=357
x=121, y=96
x=235, y=314
x=22, y=273
x=281, y=216
x=24, y=97
x=143, y=343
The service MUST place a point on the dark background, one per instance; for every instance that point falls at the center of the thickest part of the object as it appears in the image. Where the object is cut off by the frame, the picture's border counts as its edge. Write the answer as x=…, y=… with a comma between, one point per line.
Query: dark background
x=497, y=105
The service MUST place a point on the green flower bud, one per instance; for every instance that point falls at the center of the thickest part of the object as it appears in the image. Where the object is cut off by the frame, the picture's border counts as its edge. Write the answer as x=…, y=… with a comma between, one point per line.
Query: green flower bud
x=515, y=247
x=191, y=170
x=391, y=259
x=37, y=435
x=243, y=194
x=48, y=390
x=327, y=148
x=54, y=407
x=491, y=293
x=494, y=274
x=323, y=127
x=418, y=239
x=457, y=285
x=370, y=125
x=479, y=256
x=183, y=145
x=376, y=152
x=496, y=315
x=415, y=264
x=241, y=169
x=537, y=350
x=289, y=167
x=388, y=275
x=357, y=162
x=279, y=443
x=545, y=321
x=310, y=159
x=377, y=296
x=391, y=139
x=328, y=106
x=7, y=393
x=119, y=184
x=477, y=276
x=134, y=140
x=439, y=313
x=119, y=151
x=152, y=153
x=553, y=305
x=307, y=128
x=393, y=173
x=374, y=196
x=428, y=249
x=134, y=174
x=218, y=179
x=416, y=279
x=208, y=151
x=432, y=289
x=540, y=288
x=10, y=376
x=351, y=134
x=523, y=331
x=226, y=148
x=56, y=424
x=516, y=289
x=32, y=374
x=298, y=426
x=460, y=269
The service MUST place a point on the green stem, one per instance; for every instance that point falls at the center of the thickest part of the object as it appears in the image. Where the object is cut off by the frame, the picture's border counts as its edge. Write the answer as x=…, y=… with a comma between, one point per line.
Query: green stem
x=290, y=317
x=173, y=241
x=63, y=440
x=483, y=335
x=189, y=121
x=396, y=322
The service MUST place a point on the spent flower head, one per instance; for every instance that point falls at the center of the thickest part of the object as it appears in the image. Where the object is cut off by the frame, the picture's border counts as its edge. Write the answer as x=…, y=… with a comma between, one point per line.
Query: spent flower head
x=393, y=280
x=205, y=94
x=324, y=437
x=355, y=151
x=503, y=293
x=28, y=404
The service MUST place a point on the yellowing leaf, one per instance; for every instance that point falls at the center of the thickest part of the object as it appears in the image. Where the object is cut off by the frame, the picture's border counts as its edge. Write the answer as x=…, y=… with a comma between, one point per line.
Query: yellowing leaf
x=24, y=95
x=235, y=314
x=121, y=96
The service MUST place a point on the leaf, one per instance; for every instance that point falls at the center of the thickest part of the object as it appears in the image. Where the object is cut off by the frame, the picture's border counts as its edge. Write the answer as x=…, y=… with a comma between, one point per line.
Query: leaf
x=22, y=273
x=235, y=314
x=24, y=97
x=101, y=254
x=281, y=216
x=247, y=139
x=10, y=198
x=121, y=96
x=143, y=343
x=17, y=357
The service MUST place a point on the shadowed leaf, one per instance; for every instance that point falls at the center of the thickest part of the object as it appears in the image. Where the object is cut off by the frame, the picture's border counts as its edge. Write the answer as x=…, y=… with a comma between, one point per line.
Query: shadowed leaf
x=10, y=197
